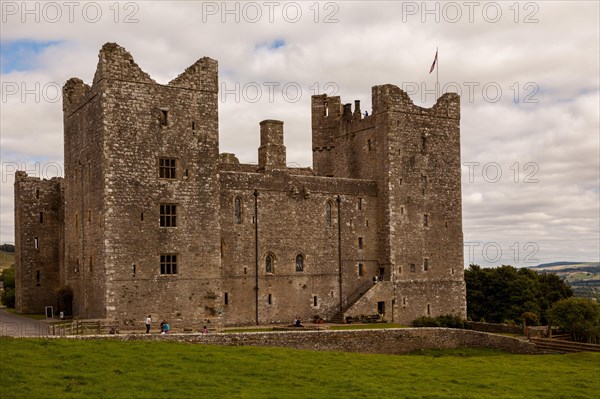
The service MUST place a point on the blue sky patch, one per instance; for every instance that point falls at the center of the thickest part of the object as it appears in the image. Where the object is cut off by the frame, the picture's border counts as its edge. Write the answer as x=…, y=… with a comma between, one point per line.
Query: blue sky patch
x=20, y=55
x=274, y=45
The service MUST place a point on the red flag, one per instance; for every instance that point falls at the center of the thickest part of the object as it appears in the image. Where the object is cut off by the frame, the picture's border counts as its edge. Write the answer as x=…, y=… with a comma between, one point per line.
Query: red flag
x=434, y=62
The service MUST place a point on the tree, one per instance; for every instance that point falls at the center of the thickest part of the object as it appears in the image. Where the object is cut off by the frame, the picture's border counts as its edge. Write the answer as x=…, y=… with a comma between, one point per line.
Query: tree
x=506, y=293
x=8, y=280
x=7, y=248
x=580, y=317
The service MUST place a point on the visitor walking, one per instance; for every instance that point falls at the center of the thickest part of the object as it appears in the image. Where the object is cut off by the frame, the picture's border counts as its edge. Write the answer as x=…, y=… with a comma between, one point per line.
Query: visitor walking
x=148, y=321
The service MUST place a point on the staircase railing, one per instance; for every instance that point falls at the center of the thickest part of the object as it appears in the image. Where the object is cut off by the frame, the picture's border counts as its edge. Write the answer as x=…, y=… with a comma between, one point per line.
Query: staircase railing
x=356, y=295
x=349, y=300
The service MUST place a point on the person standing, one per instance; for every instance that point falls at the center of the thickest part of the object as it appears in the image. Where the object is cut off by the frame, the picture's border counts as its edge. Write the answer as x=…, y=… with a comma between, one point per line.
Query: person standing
x=148, y=321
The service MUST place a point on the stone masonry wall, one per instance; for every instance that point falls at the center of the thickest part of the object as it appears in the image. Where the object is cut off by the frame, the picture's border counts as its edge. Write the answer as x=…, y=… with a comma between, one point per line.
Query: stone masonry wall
x=383, y=341
x=293, y=220
x=146, y=124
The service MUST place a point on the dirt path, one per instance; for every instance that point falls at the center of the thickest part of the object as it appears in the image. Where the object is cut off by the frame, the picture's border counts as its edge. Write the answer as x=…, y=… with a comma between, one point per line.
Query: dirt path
x=19, y=326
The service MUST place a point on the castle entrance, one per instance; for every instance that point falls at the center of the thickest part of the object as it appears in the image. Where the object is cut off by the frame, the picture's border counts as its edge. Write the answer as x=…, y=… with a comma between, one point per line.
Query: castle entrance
x=381, y=308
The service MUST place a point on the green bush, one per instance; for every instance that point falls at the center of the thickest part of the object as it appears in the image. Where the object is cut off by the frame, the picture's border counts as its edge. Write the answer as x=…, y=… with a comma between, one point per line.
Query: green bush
x=8, y=279
x=580, y=317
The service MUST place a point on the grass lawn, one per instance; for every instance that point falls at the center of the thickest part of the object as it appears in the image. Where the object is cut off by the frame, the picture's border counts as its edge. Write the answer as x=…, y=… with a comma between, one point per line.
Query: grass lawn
x=37, y=368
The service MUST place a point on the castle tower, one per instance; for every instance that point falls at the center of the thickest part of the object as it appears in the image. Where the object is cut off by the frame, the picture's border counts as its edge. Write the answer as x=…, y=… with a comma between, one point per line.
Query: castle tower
x=38, y=239
x=413, y=154
x=141, y=164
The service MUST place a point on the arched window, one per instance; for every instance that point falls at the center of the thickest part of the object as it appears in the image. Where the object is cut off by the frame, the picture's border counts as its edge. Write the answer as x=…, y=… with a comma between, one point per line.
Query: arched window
x=269, y=264
x=299, y=263
x=238, y=210
x=328, y=214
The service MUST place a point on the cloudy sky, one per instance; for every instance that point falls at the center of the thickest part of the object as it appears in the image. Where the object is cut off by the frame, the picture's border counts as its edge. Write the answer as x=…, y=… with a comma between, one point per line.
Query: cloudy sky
x=527, y=72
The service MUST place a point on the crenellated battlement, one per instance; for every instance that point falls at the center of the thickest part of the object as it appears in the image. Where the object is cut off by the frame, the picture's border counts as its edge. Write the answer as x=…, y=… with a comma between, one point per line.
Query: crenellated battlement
x=391, y=98
x=116, y=63
x=202, y=75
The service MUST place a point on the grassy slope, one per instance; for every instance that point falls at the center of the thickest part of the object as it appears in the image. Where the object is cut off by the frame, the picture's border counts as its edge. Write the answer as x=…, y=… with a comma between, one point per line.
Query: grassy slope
x=84, y=369
x=6, y=259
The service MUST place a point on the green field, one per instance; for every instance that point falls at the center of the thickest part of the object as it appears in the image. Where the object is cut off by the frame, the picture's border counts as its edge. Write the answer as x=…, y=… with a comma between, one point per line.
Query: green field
x=36, y=368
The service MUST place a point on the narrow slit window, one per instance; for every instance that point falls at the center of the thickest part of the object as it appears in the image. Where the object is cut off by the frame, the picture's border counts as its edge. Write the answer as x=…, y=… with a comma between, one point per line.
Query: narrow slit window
x=41, y=217
x=315, y=300
x=37, y=277
x=361, y=271
x=424, y=143
x=164, y=117
x=425, y=220
x=328, y=214
x=226, y=298
x=133, y=270
x=193, y=125
x=270, y=299
x=428, y=310
x=425, y=264
x=238, y=210
x=360, y=243
x=326, y=109
x=36, y=243
x=142, y=216
x=423, y=183
x=37, y=193
x=360, y=204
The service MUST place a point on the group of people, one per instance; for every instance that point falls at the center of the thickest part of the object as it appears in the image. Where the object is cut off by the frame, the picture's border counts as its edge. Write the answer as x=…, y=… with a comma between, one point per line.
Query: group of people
x=164, y=326
x=298, y=322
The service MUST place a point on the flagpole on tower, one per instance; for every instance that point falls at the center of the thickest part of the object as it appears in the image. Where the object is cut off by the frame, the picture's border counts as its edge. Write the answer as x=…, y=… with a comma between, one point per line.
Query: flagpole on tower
x=437, y=74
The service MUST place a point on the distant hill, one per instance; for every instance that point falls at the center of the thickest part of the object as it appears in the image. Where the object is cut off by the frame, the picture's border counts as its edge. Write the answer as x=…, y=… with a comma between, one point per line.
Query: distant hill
x=582, y=277
x=546, y=265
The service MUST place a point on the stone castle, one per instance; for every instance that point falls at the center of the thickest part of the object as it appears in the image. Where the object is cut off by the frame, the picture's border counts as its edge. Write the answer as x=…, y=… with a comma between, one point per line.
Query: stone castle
x=151, y=219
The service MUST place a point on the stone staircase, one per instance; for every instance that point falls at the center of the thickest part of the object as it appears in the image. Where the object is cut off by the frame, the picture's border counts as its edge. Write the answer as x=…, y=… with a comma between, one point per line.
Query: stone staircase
x=560, y=346
x=338, y=316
